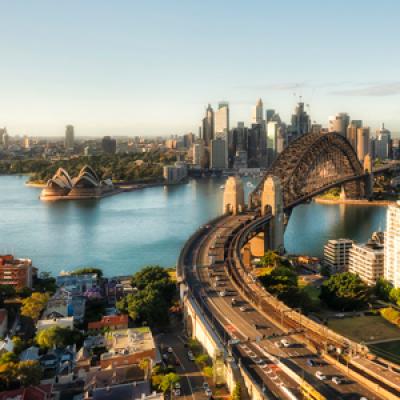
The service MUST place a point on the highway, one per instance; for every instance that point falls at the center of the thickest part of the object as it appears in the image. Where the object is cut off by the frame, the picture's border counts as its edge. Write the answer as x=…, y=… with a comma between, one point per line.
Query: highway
x=258, y=334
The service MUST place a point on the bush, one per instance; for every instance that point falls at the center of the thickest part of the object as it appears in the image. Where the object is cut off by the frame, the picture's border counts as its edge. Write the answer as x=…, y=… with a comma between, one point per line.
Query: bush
x=345, y=291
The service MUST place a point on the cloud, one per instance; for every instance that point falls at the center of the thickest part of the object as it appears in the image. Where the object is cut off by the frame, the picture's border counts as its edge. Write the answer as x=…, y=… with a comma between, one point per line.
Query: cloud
x=373, y=90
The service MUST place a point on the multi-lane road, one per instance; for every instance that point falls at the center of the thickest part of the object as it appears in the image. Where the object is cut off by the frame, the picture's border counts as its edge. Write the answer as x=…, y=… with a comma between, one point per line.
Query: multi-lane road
x=255, y=339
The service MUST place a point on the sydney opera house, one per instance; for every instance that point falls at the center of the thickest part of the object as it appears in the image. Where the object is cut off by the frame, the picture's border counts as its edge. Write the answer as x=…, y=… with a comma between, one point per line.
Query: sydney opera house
x=86, y=185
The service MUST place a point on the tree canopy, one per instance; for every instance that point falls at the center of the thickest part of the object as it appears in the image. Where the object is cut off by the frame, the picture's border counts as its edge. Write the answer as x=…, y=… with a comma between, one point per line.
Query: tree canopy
x=56, y=336
x=33, y=306
x=153, y=296
x=15, y=374
x=344, y=291
x=88, y=270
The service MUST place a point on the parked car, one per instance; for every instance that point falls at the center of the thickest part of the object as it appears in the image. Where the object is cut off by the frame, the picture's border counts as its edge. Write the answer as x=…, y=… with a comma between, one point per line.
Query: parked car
x=320, y=375
x=285, y=343
x=336, y=380
x=190, y=355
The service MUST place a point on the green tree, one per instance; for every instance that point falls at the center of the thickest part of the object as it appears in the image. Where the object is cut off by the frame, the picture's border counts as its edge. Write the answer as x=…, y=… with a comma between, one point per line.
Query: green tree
x=269, y=259
x=29, y=373
x=383, y=289
x=280, y=281
x=237, y=392
x=33, y=306
x=202, y=360
x=88, y=270
x=58, y=337
x=8, y=357
x=344, y=291
x=394, y=295
x=168, y=381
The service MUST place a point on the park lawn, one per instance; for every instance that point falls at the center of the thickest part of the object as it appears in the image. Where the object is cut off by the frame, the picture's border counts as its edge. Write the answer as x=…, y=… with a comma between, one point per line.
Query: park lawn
x=365, y=328
x=312, y=291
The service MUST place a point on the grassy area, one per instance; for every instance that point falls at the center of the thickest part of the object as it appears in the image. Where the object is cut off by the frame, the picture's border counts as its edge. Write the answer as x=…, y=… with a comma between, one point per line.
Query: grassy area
x=364, y=329
x=388, y=350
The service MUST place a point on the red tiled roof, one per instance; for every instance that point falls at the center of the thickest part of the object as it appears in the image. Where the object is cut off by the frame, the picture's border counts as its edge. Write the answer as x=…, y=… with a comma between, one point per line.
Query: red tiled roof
x=109, y=320
x=40, y=392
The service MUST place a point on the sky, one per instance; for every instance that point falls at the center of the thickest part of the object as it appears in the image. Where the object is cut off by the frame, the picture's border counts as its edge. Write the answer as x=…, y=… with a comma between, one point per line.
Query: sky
x=150, y=67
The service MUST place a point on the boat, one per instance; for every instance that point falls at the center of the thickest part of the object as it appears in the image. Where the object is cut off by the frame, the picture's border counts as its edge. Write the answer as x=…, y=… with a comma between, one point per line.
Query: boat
x=249, y=184
x=222, y=187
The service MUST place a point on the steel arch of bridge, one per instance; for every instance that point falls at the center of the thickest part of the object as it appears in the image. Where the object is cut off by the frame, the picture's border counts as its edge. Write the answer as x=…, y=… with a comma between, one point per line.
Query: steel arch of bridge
x=314, y=163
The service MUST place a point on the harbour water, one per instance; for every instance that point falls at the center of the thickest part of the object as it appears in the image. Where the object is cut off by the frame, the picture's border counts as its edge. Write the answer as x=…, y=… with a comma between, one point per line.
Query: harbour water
x=122, y=233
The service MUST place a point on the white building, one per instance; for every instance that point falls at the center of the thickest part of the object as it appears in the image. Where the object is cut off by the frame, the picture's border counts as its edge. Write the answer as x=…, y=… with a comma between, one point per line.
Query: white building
x=382, y=143
x=392, y=245
x=336, y=254
x=366, y=260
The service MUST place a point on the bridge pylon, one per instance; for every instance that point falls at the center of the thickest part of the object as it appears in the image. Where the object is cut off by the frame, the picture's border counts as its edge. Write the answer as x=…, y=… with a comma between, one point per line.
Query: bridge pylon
x=272, y=201
x=233, y=196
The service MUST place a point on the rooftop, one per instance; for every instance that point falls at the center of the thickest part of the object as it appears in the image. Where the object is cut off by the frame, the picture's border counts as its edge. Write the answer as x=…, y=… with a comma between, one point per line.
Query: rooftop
x=128, y=341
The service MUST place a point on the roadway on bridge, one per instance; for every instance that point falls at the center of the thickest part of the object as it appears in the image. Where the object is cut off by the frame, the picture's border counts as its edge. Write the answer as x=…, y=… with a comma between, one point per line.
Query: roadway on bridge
x=250, y=326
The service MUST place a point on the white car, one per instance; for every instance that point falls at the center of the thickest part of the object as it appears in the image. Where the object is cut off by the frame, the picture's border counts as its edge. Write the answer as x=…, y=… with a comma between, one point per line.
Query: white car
x=190, y=356
x=205, y=386
x=177, y=385
x=320, y=375
x=208, y=392
x=170, y=350
x=336, y=380
x=177, y=392
x=243, y=308
x=285, y=343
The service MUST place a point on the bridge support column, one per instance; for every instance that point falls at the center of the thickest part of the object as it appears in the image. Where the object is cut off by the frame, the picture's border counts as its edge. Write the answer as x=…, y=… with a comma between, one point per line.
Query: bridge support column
x=272, y=200
x=233, y=196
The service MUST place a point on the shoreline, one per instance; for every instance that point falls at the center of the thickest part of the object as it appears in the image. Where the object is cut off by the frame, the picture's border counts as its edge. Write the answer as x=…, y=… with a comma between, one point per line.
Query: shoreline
x=361, y=202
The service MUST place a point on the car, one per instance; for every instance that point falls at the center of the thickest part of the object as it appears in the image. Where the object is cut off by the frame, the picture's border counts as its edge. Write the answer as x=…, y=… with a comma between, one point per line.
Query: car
x=170, y=350
x=258, y=361
x=217, y=278
x=311, y=362
x=233, y=301
x=208, y=392
x=177, y=385
x=243, y=308
x=205, y=386
x=285, y=343
x=320, y=375
x=223, y=293
x=363, y=398
x=336, y=380
x=190, y=355
x=177, y=392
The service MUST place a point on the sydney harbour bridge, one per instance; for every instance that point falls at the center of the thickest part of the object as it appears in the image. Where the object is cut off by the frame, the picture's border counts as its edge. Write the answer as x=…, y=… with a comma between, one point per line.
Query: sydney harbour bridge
x=244, y=342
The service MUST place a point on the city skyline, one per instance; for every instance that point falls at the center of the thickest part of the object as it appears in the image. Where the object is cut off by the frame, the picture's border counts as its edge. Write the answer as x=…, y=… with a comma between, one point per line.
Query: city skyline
x=106, y=69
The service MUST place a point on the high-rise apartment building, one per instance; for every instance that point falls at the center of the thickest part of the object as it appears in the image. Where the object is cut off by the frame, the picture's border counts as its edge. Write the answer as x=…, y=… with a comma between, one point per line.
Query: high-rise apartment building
x=218, y=157
x=207, y=131
x=69, y=137
x=363, y=145
x=366, y=261
x=392, y=245
x=109, y=145
x=198, y=153
x=339, y=123
x=18, y=273
x=336, y=254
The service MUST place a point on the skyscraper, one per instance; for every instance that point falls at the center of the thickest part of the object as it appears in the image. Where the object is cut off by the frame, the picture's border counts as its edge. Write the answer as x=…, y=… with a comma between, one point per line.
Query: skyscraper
x=207, y=132
x=109, y=145
x=300, y=123
x=268, y=115
x=339, y=123
x=257, y=117
x=363, y=145
x=392, y=245
x=218, y=154
x=222, y=126
x=69, y=137
x=383, y=143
